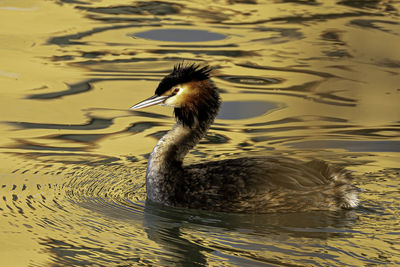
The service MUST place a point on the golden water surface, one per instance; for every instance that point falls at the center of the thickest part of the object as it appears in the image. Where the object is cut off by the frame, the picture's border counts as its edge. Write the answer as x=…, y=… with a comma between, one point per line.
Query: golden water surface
x=306, y=79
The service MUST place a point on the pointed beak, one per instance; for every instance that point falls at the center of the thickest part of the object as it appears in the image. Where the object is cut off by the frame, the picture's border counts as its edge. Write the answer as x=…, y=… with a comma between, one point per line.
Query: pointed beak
x=151, y=101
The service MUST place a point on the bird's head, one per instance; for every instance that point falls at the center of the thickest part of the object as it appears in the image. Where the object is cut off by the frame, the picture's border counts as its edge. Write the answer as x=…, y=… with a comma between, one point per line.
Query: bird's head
x=189, y=90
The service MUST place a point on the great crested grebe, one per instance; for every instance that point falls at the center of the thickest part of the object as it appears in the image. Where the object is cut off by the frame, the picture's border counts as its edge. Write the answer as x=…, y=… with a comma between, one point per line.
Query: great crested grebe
x=248, y=185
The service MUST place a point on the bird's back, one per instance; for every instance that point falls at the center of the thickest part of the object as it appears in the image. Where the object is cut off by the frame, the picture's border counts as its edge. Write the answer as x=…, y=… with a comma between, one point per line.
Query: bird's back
x=263, y=184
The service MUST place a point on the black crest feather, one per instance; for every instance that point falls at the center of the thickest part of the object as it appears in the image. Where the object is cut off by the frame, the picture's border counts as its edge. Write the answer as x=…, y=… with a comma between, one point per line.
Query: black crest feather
x=183, y=73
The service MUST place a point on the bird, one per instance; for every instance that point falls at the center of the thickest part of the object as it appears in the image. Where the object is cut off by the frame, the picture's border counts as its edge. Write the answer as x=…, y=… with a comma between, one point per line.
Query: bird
x=262, y=184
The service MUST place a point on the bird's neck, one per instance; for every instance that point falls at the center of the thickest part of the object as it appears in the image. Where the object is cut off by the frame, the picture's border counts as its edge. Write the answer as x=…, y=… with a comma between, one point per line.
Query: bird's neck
x=173, y=146
x=164, y=168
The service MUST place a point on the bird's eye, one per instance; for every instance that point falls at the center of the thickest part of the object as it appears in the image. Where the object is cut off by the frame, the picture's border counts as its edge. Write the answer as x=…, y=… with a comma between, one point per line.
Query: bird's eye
x=175, y=91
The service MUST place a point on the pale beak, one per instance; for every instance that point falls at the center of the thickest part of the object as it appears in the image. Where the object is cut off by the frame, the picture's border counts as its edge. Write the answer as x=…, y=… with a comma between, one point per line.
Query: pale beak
x=151, y=101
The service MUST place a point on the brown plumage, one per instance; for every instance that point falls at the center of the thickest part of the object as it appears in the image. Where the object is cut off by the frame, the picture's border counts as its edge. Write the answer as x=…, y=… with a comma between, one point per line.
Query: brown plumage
x=250, y=185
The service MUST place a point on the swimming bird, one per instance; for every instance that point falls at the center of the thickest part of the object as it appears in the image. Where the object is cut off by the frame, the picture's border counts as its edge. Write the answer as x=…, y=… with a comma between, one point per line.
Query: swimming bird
x=241, y=185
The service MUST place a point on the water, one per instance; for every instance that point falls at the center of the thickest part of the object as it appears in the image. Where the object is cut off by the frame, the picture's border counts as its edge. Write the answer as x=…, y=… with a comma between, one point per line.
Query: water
x=306, y=79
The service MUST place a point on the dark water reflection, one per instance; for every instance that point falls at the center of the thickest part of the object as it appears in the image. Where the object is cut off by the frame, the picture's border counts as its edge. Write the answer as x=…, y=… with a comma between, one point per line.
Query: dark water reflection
x=306, y=79
x=180, y=35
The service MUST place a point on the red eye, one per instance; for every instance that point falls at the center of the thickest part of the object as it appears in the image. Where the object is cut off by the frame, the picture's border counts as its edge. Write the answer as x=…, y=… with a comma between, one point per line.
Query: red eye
x=176, y=90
